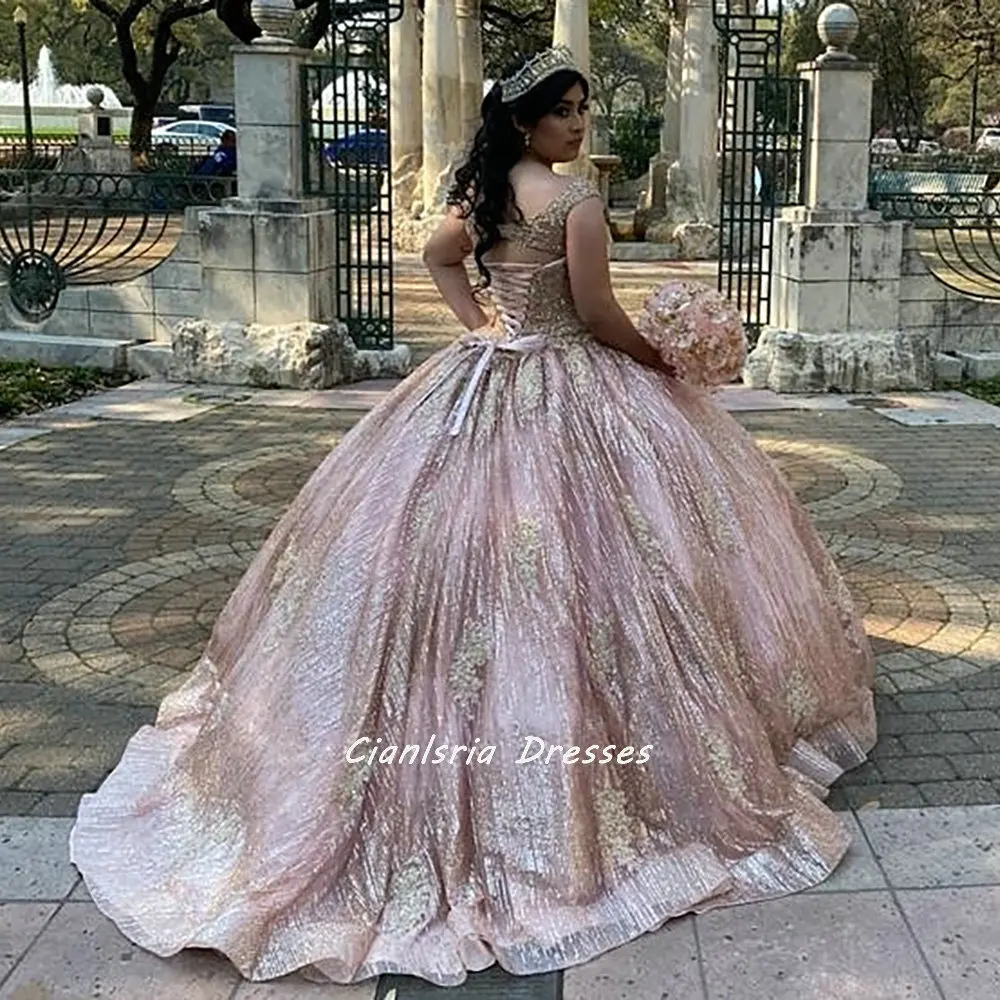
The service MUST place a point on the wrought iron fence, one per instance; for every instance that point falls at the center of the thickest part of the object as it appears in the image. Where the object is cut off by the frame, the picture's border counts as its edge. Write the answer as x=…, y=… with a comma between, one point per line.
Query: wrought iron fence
x=345, y=146
x=956, y=220
x=762, y=147
x=60, y=229
x=944, y=161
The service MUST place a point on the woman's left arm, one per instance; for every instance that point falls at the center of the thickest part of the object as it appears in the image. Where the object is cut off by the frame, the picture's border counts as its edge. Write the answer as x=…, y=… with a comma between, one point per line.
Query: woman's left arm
x=444, y=257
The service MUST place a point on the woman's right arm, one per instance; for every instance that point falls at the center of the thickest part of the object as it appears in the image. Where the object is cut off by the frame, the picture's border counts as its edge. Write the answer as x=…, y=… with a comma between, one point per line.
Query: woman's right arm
x=590, y=282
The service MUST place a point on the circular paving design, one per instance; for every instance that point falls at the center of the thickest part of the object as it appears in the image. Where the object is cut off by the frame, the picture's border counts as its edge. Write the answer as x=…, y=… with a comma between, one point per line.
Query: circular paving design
x=253, y=490
x=131, y=634
x=936, y=620
x=835, y=484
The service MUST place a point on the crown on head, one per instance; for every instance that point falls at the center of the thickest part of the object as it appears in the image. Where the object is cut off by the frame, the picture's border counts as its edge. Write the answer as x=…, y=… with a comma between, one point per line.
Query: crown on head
x=539, y=68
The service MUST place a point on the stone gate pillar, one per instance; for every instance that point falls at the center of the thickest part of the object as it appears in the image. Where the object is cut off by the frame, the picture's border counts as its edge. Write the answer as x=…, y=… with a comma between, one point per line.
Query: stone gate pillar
x=268, y=256
x=835, y=284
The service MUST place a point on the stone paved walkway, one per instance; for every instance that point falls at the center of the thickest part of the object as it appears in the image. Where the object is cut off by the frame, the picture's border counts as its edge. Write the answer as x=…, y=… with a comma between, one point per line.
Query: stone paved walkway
x=911, y=913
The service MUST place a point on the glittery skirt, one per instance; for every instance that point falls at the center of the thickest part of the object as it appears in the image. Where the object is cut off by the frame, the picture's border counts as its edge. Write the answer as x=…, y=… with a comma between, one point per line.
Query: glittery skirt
x=604, y=603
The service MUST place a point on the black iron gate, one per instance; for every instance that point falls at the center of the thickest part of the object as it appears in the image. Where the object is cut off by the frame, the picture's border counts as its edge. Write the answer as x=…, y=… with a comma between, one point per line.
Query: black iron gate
x=762, y=145
x=346, y=158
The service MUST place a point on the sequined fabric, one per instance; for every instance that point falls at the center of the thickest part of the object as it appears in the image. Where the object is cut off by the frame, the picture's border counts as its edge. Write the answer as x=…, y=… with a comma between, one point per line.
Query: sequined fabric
x=602, y=557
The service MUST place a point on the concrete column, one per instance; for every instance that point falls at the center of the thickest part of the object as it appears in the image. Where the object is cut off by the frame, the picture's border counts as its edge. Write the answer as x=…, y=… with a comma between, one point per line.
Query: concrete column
x=405, y=100
x=839, y=134
x=267, y=87
x=572, y=29
x=654, y=203
x=670, y=134
x=470, y=48
x=699, y=122
x=442, y=102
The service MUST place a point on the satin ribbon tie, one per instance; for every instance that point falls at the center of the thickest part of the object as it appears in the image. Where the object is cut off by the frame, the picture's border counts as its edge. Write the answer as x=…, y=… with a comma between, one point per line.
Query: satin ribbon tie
x=520, y=345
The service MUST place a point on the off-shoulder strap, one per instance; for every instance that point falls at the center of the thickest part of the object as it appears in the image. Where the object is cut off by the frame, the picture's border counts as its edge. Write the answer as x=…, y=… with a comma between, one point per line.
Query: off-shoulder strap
x=576, y=192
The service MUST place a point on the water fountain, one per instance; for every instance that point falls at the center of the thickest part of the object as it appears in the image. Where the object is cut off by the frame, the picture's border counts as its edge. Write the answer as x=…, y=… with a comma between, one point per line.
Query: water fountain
x=55, y=106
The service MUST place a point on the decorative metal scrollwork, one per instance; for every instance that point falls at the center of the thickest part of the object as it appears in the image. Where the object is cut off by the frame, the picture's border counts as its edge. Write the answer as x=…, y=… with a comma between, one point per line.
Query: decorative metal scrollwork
x=35, y=281
x=59, y=228
x=955, y=216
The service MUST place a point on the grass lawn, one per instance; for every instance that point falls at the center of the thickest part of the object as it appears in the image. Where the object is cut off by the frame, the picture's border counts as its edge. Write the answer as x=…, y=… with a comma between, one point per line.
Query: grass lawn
x=26, y=387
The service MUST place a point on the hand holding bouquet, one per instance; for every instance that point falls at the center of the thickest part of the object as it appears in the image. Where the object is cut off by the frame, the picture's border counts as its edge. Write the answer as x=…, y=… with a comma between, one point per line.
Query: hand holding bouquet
x=696, y=331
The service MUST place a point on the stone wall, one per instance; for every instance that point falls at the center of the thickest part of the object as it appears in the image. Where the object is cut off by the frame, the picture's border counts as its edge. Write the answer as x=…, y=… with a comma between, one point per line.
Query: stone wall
x=956, y=323
x=142, y=309
x=97, y=324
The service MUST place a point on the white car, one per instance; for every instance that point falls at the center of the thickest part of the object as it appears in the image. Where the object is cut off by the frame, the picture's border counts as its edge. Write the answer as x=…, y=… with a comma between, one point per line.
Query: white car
x=989, y=140
x=192, y=136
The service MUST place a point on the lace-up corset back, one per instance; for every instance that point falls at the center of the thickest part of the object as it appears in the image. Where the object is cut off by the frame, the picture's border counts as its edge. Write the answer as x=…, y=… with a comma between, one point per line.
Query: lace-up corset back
x=531, y=284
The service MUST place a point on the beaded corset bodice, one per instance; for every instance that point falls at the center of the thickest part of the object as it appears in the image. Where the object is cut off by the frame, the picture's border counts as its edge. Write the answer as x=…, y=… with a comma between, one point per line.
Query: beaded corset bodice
x=534, y=296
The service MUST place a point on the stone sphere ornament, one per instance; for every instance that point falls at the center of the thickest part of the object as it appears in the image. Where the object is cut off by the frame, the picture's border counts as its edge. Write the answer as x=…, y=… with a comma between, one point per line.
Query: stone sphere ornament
x=95, y=96
x=838, y=27
x=275, y=19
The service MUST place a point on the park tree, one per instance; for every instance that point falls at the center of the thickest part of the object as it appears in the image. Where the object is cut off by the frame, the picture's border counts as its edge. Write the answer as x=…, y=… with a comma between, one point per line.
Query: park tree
x=83, y=49
x=629, y=41
x=968, y=51
x=898, y=38
x=149, y=35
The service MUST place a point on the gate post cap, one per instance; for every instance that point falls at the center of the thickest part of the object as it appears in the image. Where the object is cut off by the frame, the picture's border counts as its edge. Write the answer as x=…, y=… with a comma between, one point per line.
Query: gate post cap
x=838, y=27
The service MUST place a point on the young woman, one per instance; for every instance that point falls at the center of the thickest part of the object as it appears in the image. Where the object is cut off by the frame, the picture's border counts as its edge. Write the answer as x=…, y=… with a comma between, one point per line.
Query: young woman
x=545, y=653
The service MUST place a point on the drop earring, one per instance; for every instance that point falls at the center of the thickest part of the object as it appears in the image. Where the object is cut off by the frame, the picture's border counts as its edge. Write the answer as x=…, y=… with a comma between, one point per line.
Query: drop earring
x=527, y=140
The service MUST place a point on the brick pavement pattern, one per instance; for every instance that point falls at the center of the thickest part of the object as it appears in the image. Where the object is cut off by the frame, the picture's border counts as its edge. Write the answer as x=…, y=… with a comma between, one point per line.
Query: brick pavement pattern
x=120, y=542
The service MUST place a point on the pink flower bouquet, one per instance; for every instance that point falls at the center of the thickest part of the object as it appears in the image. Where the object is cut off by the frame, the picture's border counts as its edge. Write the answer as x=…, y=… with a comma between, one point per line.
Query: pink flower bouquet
x=697, y=331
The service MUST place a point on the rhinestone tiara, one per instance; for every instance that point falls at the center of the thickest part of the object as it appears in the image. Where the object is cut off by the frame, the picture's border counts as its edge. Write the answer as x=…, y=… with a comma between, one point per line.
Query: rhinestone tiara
x=542, y=66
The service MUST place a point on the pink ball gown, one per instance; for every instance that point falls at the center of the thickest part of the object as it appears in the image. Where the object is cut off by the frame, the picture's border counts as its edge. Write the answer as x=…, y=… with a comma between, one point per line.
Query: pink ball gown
x=532, y=542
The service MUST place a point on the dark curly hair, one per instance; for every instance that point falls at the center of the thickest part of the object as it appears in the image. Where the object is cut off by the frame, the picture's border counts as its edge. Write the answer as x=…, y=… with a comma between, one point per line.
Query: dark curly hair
x=482, y=188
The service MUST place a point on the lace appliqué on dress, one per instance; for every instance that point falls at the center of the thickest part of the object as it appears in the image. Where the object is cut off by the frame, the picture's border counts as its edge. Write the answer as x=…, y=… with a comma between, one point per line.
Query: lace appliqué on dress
x=466, y=676
x=727, y=769
x=546, y=231
x=526, y=550
x=615, y=826
x=413, y=900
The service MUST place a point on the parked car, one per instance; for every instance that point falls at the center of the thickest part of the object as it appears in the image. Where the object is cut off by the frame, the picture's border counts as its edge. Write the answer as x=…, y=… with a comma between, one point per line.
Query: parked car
x=989, y=140
x=191, y=136
x=224, y=113
x=370, y=148
x=881, y=145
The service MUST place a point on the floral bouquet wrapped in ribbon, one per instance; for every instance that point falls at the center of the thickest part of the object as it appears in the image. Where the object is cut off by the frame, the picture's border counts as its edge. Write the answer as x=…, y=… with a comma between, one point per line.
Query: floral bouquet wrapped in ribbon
x=697, y=331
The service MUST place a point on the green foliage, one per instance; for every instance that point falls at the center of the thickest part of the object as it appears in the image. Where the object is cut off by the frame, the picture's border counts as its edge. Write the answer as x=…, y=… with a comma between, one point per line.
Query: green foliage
x=26, y=387
x=84, y=49
x=635, y=137
x=988, y=391
x=628, y=45
x=924, y=54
